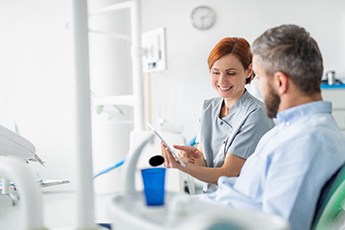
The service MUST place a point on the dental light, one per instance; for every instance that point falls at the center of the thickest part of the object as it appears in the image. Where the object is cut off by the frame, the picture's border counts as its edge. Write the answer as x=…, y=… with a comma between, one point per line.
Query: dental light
x=12, y=144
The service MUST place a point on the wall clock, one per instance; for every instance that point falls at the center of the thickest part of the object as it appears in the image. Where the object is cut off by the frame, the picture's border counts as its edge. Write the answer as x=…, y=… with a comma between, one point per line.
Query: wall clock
x=203, y=17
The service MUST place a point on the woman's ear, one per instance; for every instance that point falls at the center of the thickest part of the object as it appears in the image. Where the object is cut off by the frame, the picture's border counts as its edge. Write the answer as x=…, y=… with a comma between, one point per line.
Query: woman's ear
x=250, y=73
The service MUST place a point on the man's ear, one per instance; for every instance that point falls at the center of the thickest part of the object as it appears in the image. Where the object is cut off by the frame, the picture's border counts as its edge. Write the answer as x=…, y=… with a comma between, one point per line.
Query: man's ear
x=281, y=82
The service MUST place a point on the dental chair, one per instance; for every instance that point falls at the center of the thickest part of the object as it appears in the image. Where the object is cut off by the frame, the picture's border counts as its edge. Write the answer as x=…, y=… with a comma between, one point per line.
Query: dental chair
x=127, y=210
x=330, y=213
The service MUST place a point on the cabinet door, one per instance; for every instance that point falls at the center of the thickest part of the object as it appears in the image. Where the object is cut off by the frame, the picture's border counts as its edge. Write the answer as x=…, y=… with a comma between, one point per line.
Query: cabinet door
x=337, y=97
x=339, y=116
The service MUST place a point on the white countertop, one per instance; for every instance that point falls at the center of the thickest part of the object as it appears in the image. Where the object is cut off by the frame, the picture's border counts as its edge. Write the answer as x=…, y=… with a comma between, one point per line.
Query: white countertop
x=59, y=210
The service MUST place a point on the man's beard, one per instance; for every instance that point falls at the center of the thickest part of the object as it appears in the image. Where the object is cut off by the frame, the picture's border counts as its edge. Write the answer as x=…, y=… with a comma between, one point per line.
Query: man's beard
x=272, y=102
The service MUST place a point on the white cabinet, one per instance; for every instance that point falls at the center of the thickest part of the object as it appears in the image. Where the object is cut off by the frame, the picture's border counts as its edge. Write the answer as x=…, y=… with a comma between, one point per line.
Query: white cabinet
x=336, y=94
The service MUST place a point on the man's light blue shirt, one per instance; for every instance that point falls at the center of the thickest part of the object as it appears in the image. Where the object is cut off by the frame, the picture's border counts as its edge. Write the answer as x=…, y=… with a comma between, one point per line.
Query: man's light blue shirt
x=289, y=167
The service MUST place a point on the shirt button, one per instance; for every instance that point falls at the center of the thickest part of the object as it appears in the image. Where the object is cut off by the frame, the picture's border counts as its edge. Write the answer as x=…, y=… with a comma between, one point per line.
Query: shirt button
x=221, y=123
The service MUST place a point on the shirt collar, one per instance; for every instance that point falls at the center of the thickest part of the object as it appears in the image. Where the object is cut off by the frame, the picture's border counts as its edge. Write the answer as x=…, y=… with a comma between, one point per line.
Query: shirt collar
x=244, y=97
x=237, y=104
x=290, y=115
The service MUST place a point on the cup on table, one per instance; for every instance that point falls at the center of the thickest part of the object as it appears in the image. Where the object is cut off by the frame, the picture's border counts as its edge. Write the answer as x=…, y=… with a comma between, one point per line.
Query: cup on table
x=330, y=77
x=154, y=185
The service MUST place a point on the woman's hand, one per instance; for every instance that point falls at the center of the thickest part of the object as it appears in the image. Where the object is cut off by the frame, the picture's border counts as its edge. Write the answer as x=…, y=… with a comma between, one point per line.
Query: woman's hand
x=192, y=154
x=169, y=159
x=189, y=152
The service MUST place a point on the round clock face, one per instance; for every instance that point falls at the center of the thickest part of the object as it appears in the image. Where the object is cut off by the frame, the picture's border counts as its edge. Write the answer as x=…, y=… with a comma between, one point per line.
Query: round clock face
x=203, y=17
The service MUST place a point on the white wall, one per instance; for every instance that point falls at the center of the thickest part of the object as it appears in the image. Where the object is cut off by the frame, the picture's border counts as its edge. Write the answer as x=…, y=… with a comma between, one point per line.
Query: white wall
x=36, y=80
x=180, y=90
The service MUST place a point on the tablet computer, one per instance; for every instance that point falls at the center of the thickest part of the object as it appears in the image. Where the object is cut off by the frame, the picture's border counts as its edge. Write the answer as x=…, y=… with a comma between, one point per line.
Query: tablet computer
x=165, y=143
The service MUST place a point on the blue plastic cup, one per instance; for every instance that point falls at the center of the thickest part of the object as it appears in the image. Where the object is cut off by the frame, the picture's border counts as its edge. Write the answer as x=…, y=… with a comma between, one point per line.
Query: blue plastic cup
x=154, y=185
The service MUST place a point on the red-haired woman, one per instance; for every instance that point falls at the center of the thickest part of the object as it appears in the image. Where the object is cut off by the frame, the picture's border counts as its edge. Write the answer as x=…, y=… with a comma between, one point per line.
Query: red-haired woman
x=230, y=125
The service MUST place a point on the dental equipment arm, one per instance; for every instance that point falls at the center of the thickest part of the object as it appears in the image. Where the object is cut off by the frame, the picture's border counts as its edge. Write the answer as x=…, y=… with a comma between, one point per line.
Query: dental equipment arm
x=129, y=183
x=16, y=145
x=31, y=200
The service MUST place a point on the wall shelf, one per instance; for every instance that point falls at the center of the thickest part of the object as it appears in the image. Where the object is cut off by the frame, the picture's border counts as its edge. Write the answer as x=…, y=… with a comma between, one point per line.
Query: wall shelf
x=137, y=99
x=334, y=86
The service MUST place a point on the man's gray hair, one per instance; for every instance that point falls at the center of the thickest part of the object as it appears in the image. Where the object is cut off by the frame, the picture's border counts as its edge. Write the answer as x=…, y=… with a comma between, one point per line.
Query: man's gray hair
x=290, y=49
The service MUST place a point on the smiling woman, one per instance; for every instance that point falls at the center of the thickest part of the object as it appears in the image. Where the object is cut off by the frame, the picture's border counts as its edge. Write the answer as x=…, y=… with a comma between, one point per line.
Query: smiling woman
x=231, y=124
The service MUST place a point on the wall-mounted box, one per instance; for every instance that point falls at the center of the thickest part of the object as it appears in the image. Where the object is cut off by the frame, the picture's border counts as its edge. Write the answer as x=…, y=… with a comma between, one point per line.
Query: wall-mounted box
x=154, y=48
